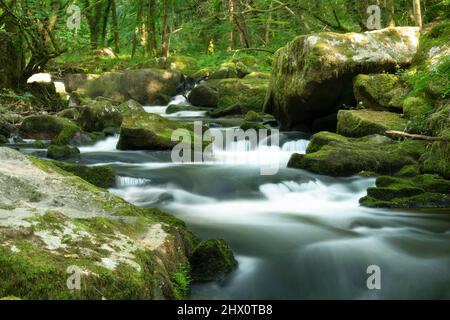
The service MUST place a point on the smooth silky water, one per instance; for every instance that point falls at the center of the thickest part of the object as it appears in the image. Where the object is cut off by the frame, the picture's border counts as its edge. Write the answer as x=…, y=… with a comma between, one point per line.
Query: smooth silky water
x=296, y=235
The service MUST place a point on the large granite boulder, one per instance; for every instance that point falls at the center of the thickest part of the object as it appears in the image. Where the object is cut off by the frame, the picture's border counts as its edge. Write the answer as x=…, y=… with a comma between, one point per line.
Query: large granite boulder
x=312, y=76
x=147, y=86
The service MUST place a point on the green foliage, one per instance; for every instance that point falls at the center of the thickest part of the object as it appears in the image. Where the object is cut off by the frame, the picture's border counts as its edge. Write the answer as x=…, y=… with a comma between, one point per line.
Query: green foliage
x=181, y=280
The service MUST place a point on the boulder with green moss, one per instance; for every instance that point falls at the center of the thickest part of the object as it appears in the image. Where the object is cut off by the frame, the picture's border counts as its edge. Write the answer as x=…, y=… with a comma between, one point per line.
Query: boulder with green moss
x=211, y=260
x=99, y=176
x=145, y=131
x=417, y=110
x=184, y=64
x=249, y=94
x=99, y=114
x=335, y=155
x=61, y=152
x=312, y=76
x=421, y=191
x=381, y=92
x=360, y=123
x=55, y=225
x=3, y=139
x=45, y=127
x=129, y=107
x=204, y=96
x=147, y=86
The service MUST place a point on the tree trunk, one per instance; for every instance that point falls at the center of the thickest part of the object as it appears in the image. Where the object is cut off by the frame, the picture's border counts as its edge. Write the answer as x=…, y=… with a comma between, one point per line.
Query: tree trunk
x=231, y=6
x=152, y=46
x=164, y=52
x=115, y=27
x=417, y=13
x=269, y=20
x=137, y=26
x=172, y=18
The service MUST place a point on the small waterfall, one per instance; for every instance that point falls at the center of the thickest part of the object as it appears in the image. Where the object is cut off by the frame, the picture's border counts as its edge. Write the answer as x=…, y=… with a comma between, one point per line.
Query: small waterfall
x=123, y=182
x=107, y=145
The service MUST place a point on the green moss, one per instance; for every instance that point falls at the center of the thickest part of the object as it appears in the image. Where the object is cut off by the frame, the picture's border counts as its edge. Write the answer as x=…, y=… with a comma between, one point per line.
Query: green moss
x=182, y=281
x=211, y=260
x=381, y=92
x=253, y=116
x=144, y=131
x=333, y=155
x=360, y=123
x=417, y=109
x=60, y=152
x=3, y=139
x=60, y=130
x=421, y=191
x=38, y=144
x=100, y=176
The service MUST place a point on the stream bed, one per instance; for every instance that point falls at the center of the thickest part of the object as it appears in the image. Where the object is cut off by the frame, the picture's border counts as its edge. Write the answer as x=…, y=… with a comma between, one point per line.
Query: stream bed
x=296, y=235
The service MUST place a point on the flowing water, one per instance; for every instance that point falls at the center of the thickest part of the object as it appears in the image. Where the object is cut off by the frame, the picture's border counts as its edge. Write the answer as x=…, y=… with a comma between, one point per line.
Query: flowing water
x=296, y=235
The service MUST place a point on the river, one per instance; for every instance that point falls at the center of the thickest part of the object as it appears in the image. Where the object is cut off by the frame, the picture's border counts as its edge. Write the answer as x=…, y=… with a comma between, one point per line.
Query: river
x=296, y=235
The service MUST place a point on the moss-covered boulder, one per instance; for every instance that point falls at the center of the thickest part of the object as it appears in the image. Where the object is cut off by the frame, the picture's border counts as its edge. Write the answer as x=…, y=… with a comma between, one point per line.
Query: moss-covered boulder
x=312, y=76
x=46, y=97
x=145, y=131
x=60, y=152
x=45, y=127
x=335, y=155
x=360, y=123
x=129, y=107
x=234, y=110
x=99, y=176
x=147, y=86
x=187, y=65
x=381, y=92
x=70, y=113
x=421, y=191
x=100, y=114
x=3, y=139
x=57, y=228
x=417, y=110
x=211, y=260
x=204, y=96
x=249, y=94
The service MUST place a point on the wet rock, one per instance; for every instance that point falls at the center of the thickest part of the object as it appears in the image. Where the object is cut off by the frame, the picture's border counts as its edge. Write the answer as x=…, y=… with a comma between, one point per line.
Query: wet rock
x=421, y=191
x=335, y=155
x=211, y=260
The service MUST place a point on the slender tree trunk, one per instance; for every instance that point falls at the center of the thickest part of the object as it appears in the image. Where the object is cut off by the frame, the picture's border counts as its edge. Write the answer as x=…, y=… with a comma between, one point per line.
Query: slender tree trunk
x=269, y=20
x=105, y=22
x=164, y=30
x=152, y=46
x=172, y=18
x=115, y=27
x=137, y=26
x=417, y=13
x=231, y=6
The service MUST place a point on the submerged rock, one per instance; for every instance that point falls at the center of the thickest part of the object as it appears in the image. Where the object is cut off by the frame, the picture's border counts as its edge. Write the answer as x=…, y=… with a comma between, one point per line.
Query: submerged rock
x=312, y=76
x=211, y=260
x=45, y=127
x=335, y=155
x=360, y=123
